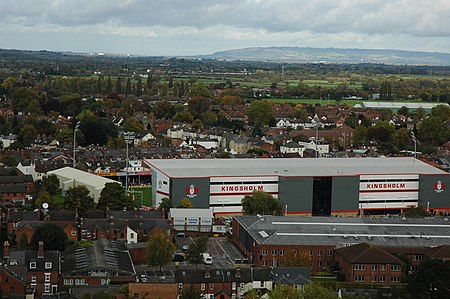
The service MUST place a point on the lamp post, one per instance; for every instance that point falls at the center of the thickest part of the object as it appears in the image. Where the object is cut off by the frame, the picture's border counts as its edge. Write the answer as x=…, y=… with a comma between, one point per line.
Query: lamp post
x=74, y=142
x=129, y=137
x=316, y=124
x=413, y=136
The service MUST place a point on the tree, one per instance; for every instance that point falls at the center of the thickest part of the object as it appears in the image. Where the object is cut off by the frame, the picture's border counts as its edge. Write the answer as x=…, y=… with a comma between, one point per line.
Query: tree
x=9, y=161
x=433, y=131
x=441, y=111
x=28, y=134
x=160, y=249
x=97, y=130
x=359, y=136
x=128, y=88
x=199, y=90
x=198, y=106
x=431, y=281
x=50, y=183
x=417, y=212
x=191, y=293
x=165, y=205
x=44, y=196
x=284, y=292
x=260, y=202
x=316, y=291
x=196, y=249
x=260, y=112
x=113, y=198
x=77, y=198
x=185, y=204
x=297, y=259
x=52, y=235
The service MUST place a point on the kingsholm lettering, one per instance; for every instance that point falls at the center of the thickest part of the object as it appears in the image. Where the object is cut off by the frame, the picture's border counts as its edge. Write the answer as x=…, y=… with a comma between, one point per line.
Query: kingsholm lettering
x=386, y=186
x=241, y=188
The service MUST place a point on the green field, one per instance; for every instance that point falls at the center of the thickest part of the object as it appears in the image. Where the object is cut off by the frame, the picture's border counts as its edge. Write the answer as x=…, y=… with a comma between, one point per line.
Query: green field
x=142, y=195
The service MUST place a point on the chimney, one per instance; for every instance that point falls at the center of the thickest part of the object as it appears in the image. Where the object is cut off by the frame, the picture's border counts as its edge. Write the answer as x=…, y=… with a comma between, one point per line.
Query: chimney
x=41, y=250
x=5, y=251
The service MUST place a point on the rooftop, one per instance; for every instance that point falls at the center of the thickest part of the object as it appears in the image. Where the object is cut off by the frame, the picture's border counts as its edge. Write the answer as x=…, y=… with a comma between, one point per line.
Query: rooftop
x=287, y=167
x=398, y=232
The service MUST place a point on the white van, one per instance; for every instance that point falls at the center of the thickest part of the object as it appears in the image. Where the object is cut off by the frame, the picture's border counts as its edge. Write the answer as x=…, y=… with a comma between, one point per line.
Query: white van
x=207, y=258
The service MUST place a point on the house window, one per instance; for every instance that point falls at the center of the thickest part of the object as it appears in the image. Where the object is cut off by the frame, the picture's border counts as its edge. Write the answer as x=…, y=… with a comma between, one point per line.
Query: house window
x=319, y=252
x=203, y=286
x=382, y=267
x=68, y=282
x=395, y=278
x=32, y=265
x=264, y=252
x=382, y=279
x=274, y=252
x=47, y=288
x=233, y=286
x=241, y=285
x=359, y=278
x=73, y=233
x=330, y=252
x=47, y=277
x=374, y=267
x=132, y=235
x=310, y=252
x=33, y=278
x=264, y=263
x=359, y=267
x=395, y=267
x=105, y=281
x=211, y=286
x=281, y=252
x=48, y=265
x=79, y=281
x=417, y=258
x=319, y=264
x=261, y=284
x=374, y=279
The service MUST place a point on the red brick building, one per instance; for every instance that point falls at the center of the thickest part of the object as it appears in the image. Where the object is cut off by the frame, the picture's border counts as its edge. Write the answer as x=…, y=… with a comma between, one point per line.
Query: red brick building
x=365, y=263
x=29, y=271
x=224, y=283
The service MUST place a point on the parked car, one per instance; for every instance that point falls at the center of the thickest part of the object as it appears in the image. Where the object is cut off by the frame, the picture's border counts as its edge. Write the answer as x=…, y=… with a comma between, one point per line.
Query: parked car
x=207, y=258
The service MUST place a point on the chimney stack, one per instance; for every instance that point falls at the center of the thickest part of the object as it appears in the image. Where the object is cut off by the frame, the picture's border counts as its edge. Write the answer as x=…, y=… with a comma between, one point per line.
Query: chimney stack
x=41, y=250
x=5, y=251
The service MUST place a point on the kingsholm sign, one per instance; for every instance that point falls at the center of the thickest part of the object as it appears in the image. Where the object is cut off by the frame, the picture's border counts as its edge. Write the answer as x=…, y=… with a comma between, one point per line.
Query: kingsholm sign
x=242, y=188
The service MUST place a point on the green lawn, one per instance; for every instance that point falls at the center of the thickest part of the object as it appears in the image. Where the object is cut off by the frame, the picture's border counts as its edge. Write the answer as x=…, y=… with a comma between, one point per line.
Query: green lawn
x=146, y=192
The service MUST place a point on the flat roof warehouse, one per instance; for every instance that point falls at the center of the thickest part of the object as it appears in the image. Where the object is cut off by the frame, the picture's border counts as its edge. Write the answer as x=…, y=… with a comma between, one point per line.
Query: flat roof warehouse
x=291, y=167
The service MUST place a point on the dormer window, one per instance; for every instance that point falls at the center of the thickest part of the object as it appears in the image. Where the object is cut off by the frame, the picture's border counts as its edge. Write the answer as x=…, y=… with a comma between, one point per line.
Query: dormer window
x=48, y=265
x=32, y=265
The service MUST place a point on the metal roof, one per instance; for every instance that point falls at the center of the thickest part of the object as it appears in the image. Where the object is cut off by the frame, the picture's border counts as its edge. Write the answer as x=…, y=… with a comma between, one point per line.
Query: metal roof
x=398, y=105
x=411, y=232
x=286, y=167
x=191, y=213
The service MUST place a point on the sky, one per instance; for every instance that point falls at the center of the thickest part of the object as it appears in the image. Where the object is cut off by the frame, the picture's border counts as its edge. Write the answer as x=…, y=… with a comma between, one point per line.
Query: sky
x=195, y=27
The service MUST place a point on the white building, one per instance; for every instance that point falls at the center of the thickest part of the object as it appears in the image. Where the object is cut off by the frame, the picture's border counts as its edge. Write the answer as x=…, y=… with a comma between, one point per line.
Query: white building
x=70, y=177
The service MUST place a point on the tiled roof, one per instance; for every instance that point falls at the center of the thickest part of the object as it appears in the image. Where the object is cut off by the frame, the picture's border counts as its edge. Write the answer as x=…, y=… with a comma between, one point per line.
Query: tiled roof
x=365, y=253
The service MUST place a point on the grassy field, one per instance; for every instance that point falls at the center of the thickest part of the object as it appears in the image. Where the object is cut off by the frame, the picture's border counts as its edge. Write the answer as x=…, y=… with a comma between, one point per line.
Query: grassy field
x=142, y=194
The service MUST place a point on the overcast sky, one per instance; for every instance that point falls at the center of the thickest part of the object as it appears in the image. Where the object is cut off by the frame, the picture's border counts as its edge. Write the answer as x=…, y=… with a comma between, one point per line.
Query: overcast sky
x=189, y=27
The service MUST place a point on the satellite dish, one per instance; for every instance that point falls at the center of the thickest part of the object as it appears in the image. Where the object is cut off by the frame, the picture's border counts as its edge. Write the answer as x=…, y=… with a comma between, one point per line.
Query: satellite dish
x=45, y=205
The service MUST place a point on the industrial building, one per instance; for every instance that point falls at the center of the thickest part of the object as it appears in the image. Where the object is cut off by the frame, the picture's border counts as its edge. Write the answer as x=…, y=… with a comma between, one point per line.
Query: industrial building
x=269, y=240
x=312, y=187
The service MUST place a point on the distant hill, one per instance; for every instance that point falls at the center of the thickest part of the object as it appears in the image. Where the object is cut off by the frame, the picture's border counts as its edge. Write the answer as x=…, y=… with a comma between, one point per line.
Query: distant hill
x=332, y=55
